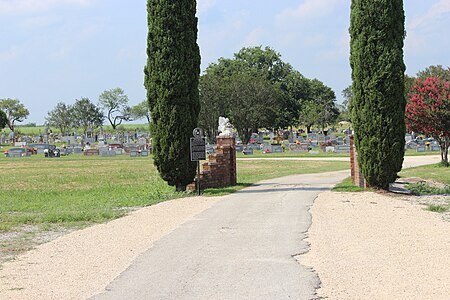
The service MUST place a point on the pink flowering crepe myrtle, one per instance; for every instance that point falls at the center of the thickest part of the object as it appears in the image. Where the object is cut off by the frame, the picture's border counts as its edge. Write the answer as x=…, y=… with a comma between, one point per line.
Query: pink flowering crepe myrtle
x=428, y=111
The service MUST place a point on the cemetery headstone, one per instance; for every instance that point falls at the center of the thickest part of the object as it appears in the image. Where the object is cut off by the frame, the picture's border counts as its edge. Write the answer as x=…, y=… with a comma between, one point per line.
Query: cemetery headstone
x=329, y=149
x=342, y=149
x=435, y=148
x=17, y=152
x=142, y=141
x=253, y=147
x=420, y=148
x=272, y=149
x=107, y=153
x=321, y=138
x=91, y=152
x=77, y=150
x=246, y=151
x=240, y=148
x=298, y=147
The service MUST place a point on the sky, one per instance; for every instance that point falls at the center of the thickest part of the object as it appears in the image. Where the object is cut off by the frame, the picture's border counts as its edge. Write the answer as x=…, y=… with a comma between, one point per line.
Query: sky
x=61, y=50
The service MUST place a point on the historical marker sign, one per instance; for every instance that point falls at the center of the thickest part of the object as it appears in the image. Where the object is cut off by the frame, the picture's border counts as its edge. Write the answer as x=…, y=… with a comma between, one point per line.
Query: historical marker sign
x=198, y=145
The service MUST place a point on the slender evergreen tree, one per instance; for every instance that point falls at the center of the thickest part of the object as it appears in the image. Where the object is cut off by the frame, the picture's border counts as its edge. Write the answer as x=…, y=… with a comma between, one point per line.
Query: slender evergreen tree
x=378, y=104
x=171, y=79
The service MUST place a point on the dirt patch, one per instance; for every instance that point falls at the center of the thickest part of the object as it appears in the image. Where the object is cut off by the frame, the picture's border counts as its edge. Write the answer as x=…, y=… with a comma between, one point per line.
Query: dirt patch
x=26, y=238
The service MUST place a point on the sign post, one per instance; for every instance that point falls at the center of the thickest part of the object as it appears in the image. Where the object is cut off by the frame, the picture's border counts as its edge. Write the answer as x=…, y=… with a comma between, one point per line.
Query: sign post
x=198, y=151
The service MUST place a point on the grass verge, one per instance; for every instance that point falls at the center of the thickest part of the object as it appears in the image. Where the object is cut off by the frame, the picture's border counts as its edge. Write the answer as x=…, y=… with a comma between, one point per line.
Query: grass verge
x=426, y=189
x=435, y=172
x=438, y=208
x=347, y=186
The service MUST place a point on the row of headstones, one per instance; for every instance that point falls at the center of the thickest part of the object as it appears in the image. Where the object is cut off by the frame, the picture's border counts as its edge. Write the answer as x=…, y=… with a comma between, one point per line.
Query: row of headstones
x=116, y=151
x=314, y=138
x=292, y=147
x=423, y=148
x=131, y=149
x=102, y=140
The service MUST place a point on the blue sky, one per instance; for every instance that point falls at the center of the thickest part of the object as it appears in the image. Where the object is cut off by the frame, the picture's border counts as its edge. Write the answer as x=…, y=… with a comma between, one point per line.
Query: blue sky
x=62, y=50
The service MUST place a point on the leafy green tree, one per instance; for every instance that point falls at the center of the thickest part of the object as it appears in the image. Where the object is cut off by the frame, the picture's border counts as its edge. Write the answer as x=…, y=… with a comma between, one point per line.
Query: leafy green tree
x=171, y=79
x=347, y=94
x=325, y=99
x=344, y=108
x=15, y=111
x=309, y=114
x=432, y=71
x=295, y=90
x=409, y=82
x=116, y=104
x=264, y=62
x=86, y=114
x=320, y=107
x=435, y=71
x=140, y=111
x=61, y=117
x=253, y=104
x=377, y=32
x=267, y=64
x=3, y=119
x=214, y=103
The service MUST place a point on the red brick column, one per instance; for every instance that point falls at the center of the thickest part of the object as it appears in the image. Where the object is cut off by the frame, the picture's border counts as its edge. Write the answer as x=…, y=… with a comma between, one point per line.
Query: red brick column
x=229, y=150
x=357, y=177
x=220, y=169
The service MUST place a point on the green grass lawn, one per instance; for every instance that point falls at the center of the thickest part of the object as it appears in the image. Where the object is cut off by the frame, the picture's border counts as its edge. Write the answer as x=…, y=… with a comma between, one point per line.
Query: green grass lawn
x=78, y=190
x=75, y=189
x=434, y=172
x=347, y=186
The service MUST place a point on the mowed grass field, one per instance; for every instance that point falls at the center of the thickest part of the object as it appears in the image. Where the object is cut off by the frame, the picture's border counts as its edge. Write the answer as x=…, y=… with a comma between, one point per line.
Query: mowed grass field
x=76, y=191
x=435, y=172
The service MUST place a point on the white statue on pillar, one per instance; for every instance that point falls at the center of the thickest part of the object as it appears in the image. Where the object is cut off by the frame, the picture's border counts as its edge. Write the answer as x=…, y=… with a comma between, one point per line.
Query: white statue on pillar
x=225, y=128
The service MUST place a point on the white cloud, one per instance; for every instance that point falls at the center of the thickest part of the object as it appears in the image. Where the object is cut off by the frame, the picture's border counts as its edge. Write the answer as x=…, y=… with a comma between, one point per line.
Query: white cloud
x=205, y=5
x=415, y=43
x=23, y=6
x=9, y=54
x=310, y=9
x=253, y=38
x=442, y=7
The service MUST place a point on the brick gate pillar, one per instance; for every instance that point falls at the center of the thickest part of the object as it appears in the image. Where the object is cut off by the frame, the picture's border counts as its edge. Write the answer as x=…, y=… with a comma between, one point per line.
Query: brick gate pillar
x=357, y=177
x=228, y=145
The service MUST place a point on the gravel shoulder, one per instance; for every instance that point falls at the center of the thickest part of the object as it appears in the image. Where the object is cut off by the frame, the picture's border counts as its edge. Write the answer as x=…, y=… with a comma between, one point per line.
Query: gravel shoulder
x=80, y=264
x=376, y=246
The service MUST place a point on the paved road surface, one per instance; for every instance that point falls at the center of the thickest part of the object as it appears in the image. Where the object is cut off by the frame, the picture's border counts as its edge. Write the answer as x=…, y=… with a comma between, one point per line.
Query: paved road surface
x=244, y=247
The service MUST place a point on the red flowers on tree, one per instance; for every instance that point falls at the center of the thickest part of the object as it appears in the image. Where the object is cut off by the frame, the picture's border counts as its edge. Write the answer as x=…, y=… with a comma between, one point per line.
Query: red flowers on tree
x=428, y=111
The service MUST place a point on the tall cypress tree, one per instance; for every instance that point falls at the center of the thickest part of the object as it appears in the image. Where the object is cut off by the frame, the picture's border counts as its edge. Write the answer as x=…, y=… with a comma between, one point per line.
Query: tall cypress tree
x=378, y=105
x=171, y=79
